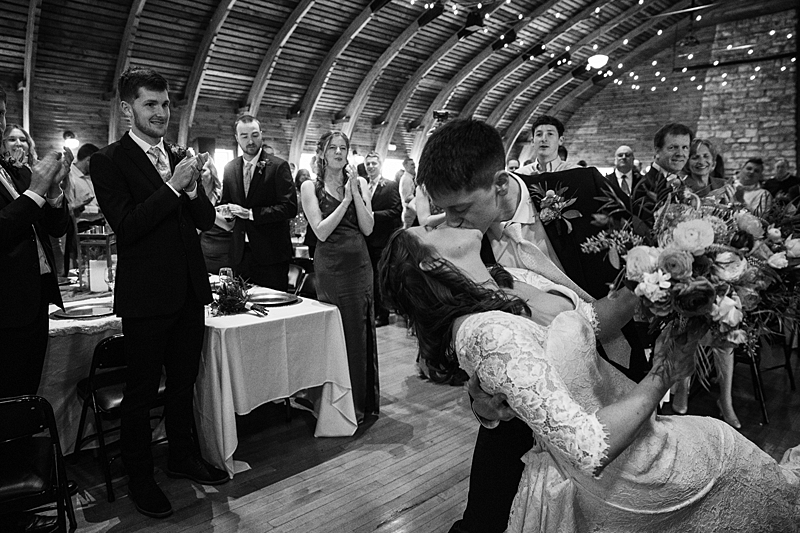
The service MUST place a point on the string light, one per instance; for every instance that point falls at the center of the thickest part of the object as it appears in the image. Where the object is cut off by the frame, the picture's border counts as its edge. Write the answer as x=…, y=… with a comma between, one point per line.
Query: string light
x=619, y=66
x=724, y=74
x=690, y=57
x=684, y=69
x=731, y=46
x=698, y=18
x=757, y=69
x=724, y=83
x=692, y=78
x=625, y=42
x=519, y=16
x=771, y=32
x=658, y=73
x=716, y=62
x=699, y=87
x=566, y=48
x=674, y=89
x=660, y=32
x=663, y=79
x=636, y=77
x=652, y=89
x=630, y=74
x=752, y=77
x=788, y=35
x=655, y=63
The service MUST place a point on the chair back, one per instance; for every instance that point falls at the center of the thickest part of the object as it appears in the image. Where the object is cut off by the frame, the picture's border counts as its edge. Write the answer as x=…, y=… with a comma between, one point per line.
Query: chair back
x=296, y=275
x=108, y=362
x=309, y=287
x=24, y=416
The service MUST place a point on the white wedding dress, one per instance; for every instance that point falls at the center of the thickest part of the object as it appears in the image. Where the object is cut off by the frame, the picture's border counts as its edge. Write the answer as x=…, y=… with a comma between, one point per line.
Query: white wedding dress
x=681, y=474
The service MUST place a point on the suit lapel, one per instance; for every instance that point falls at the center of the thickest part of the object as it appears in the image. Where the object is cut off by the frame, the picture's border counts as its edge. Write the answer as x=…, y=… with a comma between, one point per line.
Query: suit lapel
x=141, y=160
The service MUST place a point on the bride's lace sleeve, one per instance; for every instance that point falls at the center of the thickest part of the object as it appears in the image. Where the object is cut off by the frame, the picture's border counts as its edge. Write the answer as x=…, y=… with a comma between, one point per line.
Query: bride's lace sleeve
x=507, y=353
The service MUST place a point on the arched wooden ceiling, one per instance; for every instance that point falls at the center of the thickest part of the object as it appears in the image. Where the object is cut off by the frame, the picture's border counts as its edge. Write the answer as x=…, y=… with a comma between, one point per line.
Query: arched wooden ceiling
x=377, y=69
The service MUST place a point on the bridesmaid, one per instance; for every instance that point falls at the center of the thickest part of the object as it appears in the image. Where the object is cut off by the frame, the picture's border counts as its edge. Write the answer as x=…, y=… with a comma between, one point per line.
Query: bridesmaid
x=338, y=209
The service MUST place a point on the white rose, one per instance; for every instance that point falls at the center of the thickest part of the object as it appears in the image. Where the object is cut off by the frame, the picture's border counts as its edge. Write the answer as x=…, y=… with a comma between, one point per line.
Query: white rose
x=641, y=260
x=792, y=247
x=728, y=266
x=778, y=260
x=774, y=234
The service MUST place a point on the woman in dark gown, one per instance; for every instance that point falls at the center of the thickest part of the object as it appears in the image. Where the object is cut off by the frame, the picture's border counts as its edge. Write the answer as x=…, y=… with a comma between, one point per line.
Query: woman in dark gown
x=339, y=212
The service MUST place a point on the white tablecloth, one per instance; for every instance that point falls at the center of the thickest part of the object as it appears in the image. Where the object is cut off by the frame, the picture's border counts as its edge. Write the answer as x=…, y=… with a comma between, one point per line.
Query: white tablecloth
x=249, y=361
x=68, y=360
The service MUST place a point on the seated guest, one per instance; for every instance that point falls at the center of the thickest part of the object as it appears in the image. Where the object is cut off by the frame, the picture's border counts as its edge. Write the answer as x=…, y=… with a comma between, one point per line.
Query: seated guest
x=748, y=187
x=783, y=182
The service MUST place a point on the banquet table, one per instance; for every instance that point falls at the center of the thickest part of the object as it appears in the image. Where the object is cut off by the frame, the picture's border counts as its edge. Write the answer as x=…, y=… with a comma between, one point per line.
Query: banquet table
x=246, y=362
x=68, y=360
x=250, y=360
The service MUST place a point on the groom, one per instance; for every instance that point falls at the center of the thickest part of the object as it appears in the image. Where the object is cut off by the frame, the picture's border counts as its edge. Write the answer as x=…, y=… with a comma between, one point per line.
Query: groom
x=462, y=169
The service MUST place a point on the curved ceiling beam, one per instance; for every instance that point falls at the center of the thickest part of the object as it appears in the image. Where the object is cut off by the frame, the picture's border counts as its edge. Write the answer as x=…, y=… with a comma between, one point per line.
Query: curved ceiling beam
x=314, y=91
x=472, y=105
x=199, y=67
x=264, y=74
x=441, y=99
x=31, y=37
x=391, y=117
x=499, y=111
x=646, y=49
x=353, y=111
x=123, y=61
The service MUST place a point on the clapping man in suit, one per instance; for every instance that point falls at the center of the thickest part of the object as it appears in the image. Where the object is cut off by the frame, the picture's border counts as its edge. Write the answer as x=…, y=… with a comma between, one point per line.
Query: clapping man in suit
x=387, y=210
x=462, y=168
x=259, y=190
x=153, y=203
x=625, y=175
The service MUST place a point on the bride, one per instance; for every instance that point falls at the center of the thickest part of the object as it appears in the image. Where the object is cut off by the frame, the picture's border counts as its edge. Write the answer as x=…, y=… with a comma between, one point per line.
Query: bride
x=603, y=460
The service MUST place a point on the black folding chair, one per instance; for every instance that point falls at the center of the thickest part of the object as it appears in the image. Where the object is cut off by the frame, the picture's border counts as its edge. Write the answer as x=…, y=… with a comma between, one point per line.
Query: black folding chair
x=32, y=472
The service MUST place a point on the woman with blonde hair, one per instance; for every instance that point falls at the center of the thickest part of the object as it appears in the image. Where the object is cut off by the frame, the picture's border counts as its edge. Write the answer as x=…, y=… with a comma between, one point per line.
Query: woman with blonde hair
x=338, y=209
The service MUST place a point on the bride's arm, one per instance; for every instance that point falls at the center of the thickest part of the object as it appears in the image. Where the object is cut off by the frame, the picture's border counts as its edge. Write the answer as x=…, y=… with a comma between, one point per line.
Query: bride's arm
x=510, y=359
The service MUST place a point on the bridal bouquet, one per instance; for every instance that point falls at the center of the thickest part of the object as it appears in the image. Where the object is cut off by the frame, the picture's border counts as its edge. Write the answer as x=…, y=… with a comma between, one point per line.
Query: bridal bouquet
x=232, y=298
x=700, y=264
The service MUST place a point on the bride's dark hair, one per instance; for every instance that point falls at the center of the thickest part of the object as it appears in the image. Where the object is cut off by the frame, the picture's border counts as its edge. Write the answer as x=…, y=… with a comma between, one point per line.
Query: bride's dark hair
x=432, y=293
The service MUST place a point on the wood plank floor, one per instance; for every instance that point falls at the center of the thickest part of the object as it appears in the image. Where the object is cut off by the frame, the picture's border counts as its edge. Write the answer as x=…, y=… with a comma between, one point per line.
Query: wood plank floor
x=406, y=471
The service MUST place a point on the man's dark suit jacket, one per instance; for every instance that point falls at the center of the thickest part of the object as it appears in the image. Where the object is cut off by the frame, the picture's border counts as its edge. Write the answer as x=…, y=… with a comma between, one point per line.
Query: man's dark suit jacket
x=387, y=210
x=159, y=254
x=19, y=258
x=273, y=199
x=613, y=182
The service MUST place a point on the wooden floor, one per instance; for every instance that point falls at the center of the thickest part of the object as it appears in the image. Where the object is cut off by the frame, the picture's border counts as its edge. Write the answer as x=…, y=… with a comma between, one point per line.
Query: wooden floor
x=406, y=471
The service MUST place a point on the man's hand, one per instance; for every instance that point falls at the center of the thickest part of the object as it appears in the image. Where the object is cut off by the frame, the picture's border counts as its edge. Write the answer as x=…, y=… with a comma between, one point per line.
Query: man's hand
x=47, y=174
x=186, y=173
x=239, y=211
x=488, y=407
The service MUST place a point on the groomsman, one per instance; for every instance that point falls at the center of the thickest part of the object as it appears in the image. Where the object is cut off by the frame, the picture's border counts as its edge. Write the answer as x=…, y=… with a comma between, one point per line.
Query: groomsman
x=547, y=138
x=260, y=192
x=153, y=203
x=387, y=210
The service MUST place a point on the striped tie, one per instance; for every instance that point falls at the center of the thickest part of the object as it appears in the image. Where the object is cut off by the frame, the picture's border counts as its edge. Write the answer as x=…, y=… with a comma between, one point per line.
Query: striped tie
x=160, y=162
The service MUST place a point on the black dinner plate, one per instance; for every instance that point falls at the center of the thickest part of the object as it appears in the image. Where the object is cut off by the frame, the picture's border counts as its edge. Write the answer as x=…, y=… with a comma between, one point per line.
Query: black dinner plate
x=274, y=299
x=85, y=311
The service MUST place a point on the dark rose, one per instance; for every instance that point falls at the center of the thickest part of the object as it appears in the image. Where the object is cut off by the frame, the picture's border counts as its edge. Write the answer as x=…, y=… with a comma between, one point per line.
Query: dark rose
x=742, y=239
x=695, y=298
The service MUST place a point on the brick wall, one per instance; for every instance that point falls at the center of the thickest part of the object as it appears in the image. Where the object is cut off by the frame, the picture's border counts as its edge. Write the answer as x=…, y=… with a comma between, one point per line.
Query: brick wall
x=746, y=110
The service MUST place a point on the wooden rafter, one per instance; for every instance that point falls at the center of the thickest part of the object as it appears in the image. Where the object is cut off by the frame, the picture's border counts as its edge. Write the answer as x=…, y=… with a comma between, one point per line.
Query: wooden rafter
x=123, y=61
x=264, y=73
x=499, y=111
x=31, y=33
x=441, y=99
x=640, y=53
x=475, y=101
x=317, y=85
x=353, y=111
x=200, y=66
x=392, y=116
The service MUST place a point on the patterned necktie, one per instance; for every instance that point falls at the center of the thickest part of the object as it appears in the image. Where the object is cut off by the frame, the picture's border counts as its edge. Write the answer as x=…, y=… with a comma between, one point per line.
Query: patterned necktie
x=623, y=184
x=160, y=161
x=533, y=259
x=248, y=176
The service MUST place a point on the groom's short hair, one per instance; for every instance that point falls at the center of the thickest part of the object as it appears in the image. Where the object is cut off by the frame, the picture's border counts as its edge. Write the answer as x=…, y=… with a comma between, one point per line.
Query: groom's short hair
x=463, y=154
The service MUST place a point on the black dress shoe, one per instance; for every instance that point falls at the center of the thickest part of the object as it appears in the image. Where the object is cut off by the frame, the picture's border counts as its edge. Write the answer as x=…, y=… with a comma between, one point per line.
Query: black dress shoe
x=198, y=470
x=149, y=498
x=72, y=487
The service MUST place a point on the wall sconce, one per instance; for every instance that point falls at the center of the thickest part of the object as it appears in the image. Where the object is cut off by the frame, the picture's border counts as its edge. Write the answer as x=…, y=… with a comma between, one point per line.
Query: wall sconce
x=70, y=141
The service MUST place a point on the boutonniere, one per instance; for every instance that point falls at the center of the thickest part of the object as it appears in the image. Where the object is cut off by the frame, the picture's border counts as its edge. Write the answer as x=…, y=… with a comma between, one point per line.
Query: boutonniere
x=553, y=205
x=179, y=151
x=263, y=163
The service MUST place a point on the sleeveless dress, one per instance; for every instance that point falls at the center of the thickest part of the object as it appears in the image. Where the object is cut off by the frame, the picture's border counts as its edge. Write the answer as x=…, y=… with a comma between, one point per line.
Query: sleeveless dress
x=681, y=474
x=344, y=279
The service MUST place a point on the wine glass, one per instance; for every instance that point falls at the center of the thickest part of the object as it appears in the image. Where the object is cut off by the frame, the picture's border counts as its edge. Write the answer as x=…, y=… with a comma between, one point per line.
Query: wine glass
x=109, y=279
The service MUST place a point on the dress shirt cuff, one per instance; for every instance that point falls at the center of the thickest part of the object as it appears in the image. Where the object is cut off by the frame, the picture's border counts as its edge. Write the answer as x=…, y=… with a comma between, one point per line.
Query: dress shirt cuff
x=193, y=193
x=177, y=192
x=250, y=214
x=35, y=197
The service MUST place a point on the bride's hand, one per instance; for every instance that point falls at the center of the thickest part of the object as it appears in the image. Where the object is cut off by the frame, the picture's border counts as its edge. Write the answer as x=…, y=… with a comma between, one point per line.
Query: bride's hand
x=486, y=406
x=675, y=352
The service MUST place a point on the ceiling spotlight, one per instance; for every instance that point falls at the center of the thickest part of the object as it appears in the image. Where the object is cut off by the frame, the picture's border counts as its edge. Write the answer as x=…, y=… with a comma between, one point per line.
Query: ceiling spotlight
x=598, y=61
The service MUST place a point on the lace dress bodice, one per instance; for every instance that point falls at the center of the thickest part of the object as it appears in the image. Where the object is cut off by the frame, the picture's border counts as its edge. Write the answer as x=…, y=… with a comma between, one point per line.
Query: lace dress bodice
x=680, y=473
